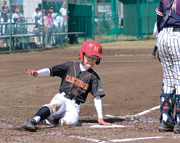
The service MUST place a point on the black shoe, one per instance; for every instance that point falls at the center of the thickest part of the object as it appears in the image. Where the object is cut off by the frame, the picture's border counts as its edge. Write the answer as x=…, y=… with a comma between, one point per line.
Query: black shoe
x=177, y=128
x=165, y=126
x=30, y=125
x=154, y=55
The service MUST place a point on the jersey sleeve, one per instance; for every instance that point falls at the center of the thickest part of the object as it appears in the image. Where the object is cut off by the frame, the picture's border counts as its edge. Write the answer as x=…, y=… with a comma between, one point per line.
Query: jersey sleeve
x=159, y=9
x=59, y=70
x=96, y=86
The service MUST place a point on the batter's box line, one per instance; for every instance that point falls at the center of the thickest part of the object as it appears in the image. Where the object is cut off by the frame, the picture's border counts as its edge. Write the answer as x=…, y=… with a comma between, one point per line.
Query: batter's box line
x=132, y=116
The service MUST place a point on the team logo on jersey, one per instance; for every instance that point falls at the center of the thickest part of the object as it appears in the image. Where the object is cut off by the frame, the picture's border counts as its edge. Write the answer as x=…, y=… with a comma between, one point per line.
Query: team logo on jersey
x=100, y=90
x=77, y=82
x=96, y=48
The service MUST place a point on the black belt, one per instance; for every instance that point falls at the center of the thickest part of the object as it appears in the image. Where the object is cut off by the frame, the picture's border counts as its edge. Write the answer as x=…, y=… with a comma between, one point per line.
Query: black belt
x=69, y=97
x=176, y=29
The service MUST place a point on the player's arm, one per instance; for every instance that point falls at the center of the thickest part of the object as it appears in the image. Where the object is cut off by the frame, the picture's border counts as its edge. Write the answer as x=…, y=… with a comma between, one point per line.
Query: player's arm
x=98, y=106
x=42, y=72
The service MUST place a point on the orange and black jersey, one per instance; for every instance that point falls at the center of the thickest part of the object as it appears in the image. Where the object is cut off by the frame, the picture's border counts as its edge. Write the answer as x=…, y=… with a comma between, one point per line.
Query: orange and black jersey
x=76, y=83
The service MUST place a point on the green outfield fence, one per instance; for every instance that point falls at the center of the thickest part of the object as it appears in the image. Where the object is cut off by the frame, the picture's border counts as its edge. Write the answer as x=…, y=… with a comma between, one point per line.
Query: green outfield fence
x=75, y=21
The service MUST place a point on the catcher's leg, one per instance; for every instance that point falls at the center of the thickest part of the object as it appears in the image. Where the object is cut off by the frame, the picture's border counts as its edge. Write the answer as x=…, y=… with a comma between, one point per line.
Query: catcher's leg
x=166, y=116
x=177, y=115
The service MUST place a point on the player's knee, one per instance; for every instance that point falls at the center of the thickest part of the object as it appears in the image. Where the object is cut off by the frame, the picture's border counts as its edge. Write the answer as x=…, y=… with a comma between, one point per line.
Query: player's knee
x=69, y=121
x=56, y=108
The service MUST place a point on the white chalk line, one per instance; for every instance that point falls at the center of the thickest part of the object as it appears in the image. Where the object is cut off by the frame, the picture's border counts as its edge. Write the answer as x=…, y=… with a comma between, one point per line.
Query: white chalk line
x=136, y=139
x=20, y=106
x=123, y=61
x=130, y=55
x=139, y=114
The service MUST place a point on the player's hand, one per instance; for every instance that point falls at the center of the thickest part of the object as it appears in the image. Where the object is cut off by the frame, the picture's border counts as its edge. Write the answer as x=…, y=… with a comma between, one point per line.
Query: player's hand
x=102, y=122
x=32, y=72
x=154, y=34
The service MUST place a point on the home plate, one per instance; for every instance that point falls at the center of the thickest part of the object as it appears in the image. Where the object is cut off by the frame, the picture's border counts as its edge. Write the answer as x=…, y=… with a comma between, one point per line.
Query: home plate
x=113, y=126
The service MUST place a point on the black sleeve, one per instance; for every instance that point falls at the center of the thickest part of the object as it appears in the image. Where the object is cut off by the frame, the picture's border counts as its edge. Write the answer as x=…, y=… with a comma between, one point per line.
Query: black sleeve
x=59, y=70
x=159, y=19
x=96, y=86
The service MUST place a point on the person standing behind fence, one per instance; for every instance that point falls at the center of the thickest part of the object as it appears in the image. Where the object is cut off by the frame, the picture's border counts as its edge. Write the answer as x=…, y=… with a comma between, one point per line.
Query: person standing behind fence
x=63, y=12
x=48, y=28
x=155, y=33
x=168, y=24
x=4, y=18
x=53, y=15
x=35, y=18
x=19, y=28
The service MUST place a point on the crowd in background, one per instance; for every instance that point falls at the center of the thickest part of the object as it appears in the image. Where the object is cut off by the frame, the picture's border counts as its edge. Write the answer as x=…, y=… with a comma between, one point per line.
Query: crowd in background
x=53, y=23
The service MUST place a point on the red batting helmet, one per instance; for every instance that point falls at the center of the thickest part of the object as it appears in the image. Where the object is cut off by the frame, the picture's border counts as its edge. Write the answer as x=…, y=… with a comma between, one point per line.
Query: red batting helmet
x=91, y=48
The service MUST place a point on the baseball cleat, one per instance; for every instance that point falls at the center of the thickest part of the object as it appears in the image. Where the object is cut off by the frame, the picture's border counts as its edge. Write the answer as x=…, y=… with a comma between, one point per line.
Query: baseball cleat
x=165, y=126
x=154, y=55
x=177, y=128
x=29, y=125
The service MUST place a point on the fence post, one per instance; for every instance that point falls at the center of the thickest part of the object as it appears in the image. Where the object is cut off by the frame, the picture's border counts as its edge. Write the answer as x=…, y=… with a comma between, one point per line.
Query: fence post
x=42, y=25
x=10, y=25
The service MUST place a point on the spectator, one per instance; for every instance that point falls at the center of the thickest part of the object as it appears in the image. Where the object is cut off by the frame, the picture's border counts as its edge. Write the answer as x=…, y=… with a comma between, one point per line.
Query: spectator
x=35, y=19
x=57, y=21
x=53, y=15
x=48, y=28
x=63, y=12
x=19, y=28
x=4, y=18
x=155, y=34
x=40, y=12
x=17, y=15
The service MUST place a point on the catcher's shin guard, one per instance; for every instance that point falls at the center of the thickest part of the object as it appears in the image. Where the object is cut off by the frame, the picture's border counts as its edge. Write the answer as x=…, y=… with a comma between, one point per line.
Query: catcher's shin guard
x=177, y=115
x=166, y=116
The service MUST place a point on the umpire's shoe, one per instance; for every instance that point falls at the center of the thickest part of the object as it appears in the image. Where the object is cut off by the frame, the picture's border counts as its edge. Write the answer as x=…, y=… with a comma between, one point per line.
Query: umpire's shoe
x=30, y=125
x=165, y=126
x=177, y=128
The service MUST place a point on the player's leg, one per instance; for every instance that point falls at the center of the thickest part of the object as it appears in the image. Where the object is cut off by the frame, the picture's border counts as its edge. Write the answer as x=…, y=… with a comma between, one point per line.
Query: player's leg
x=42, y=114
x=36, y=40
x=65, y=24
x=154, y=51
x=68, y=116
x=175, y=52
x=54, y=109
x=168, y=89
x=71, y=116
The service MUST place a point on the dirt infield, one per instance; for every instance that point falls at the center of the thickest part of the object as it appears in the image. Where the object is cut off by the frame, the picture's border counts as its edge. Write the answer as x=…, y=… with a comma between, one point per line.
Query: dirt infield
x=130, y=77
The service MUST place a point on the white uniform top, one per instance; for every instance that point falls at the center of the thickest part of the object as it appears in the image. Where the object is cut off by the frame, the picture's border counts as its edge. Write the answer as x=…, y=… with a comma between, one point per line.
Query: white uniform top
x=63, y=11
x=16, y=15
x=34, y=16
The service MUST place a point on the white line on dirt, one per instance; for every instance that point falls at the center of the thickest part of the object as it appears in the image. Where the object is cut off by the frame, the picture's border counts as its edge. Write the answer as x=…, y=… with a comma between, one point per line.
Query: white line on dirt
x=117, y=140
x=88, y=139
x=123, y=61
x=139, y=114
x=130, y=55
x=136, y=139
x=42, y=105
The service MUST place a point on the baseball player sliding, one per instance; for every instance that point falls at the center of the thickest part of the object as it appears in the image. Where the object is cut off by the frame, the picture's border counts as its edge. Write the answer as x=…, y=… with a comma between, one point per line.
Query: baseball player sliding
x=168, y=24
x=78, y=79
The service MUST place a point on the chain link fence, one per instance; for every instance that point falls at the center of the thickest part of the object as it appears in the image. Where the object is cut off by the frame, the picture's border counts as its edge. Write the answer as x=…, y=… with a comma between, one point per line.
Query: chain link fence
x=43, y=24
